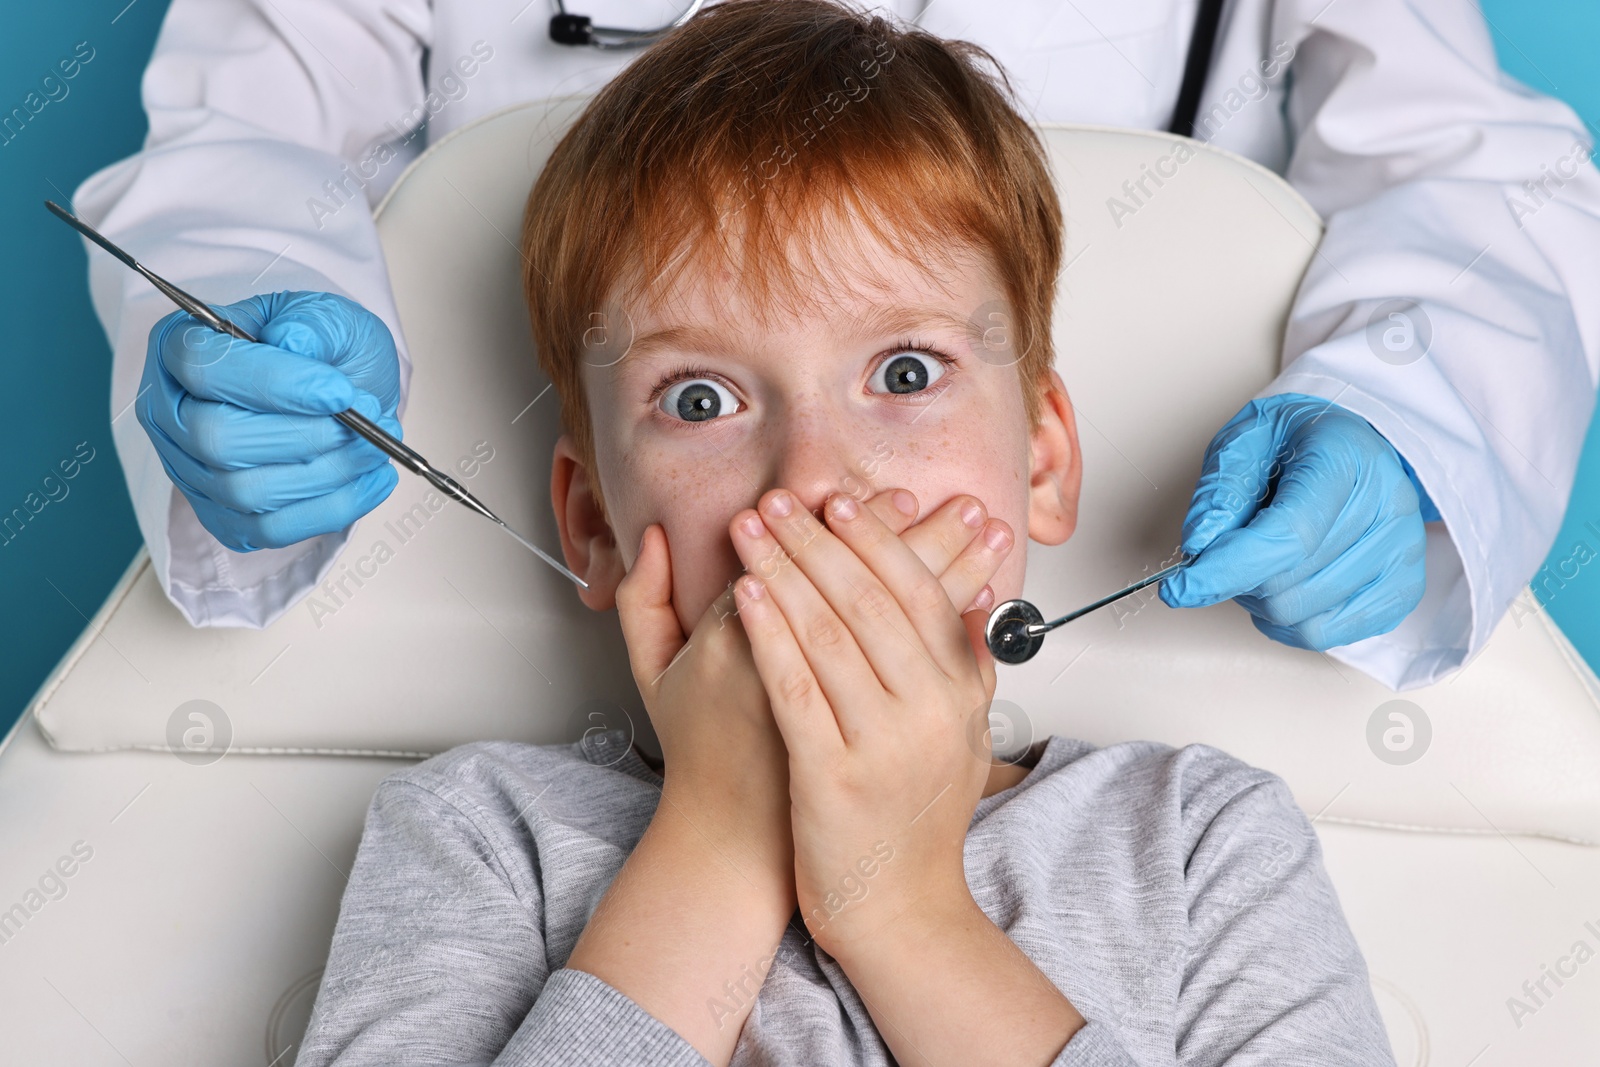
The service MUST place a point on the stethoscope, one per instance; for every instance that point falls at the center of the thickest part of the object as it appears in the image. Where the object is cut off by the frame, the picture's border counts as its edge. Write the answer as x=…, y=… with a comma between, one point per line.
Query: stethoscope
x=580, y=29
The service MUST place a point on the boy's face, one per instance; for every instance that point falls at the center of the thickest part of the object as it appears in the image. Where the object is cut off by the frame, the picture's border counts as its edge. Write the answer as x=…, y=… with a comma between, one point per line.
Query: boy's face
x=819, y=401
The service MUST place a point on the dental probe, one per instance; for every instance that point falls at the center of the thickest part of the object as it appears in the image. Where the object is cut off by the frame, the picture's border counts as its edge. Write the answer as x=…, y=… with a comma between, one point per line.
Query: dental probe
x=397, y=450
x=1015, y=630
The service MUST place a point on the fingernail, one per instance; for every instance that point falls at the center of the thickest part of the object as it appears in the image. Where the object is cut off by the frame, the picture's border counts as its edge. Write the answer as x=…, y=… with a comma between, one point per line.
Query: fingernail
x=844, y=507
x=754, y=526
x=984, y=599
x=780, y=505
x=906, y=503
x=753, y=587
x=996, y=537
x=972, y=515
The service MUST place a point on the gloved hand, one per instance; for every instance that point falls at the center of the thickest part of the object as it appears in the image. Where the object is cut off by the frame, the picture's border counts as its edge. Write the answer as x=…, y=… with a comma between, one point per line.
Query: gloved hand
x=1310, y=519
x=245, y=430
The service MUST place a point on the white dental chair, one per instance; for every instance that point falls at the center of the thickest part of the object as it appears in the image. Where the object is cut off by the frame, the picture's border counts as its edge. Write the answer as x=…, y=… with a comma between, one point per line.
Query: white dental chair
x=181, y=806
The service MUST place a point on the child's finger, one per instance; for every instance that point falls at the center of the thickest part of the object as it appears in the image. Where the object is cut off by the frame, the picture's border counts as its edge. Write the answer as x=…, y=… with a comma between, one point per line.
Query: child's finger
x=967, y=577
x=790, y=560
x=886, y=505
x=982, y=602
x=804, y=717
x=896, y=577
x=937, y=540
x=952, y=548
x=977, y=623
x=650, y=625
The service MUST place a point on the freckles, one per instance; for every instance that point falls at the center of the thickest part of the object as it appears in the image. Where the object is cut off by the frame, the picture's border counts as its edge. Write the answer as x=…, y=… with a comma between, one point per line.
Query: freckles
x=930, y=451
x=670, y=478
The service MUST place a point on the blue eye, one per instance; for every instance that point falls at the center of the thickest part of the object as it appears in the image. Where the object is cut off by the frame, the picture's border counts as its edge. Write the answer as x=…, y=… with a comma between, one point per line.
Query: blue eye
x=693, y=395
x=912, y=369
x=697, y=400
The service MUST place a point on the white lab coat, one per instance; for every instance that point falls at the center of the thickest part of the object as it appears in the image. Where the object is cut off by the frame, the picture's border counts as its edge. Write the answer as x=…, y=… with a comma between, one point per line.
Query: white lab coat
x=1394, y=121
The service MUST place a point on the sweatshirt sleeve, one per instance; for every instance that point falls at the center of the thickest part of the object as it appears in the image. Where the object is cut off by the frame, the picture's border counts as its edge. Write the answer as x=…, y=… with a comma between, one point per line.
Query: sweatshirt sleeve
x=1262, y=967
x=274, y=126
x=1094, y=1045
x=438, y=959
x=1271, y=972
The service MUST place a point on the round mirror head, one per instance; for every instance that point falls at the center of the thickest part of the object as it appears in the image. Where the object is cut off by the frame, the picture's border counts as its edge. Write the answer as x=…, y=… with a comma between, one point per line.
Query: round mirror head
x=1007, y=632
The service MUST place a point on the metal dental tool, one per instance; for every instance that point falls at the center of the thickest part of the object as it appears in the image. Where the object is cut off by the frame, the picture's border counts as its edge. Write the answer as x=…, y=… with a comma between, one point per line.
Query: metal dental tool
x=1015, y=630
x=396, y=449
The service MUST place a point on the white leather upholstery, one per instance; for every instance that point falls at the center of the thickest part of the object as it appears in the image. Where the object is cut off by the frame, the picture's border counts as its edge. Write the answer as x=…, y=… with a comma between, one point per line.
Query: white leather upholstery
x=1170, y=318
x=195, y=932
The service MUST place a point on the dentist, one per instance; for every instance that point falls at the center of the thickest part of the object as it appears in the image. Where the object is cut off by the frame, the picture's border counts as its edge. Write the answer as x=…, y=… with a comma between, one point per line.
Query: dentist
x=1438, y=374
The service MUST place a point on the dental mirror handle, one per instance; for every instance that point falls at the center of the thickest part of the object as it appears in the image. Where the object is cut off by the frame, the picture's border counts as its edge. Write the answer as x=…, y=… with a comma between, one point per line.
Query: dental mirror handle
x=1015, y=630
x=393, y=447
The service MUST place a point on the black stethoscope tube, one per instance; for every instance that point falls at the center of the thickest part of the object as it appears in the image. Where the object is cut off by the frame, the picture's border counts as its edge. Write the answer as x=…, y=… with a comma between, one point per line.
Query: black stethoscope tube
x=581, y=30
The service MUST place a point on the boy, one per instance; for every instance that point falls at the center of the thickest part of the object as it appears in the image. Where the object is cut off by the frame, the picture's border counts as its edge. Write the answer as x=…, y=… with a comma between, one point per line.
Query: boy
x=825, y=253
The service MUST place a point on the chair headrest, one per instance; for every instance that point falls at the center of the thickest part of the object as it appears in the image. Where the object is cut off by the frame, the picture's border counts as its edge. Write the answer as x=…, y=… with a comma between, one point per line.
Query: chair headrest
x=439, y=630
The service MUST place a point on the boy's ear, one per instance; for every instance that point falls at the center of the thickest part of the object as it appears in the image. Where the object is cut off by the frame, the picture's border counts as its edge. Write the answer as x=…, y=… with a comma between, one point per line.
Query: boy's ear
x=587, y=542
x=1056, y=477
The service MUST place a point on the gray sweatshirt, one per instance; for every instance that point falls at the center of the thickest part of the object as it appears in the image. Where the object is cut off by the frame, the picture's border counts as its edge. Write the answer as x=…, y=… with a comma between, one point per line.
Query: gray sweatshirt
x=1176, y=896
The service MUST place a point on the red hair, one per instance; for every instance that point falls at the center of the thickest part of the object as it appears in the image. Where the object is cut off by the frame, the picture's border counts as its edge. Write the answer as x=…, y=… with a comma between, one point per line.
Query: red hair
x=776, y=115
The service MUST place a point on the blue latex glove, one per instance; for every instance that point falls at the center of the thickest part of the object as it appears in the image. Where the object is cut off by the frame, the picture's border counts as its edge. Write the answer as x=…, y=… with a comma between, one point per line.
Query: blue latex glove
x=245, y=430
x=1336, y=553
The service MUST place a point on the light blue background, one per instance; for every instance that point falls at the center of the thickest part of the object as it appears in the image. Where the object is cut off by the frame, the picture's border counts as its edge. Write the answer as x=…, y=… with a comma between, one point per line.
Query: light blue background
x=56, y=374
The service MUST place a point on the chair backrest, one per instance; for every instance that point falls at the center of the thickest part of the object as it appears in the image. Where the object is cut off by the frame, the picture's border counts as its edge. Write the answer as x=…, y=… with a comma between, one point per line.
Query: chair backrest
x=440, y=630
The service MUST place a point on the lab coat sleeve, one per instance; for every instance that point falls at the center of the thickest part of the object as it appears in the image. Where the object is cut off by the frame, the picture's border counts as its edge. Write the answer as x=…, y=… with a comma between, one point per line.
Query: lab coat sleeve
x=274, y=126
x=1445, y=182
x=438, y=959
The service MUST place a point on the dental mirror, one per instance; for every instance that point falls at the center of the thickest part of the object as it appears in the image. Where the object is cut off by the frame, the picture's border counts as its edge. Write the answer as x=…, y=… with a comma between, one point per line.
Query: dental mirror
x=1015, y=630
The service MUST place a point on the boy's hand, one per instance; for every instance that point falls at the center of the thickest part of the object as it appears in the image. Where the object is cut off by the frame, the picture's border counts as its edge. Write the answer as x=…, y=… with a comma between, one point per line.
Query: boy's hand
x=879, y=688
x=728, y=767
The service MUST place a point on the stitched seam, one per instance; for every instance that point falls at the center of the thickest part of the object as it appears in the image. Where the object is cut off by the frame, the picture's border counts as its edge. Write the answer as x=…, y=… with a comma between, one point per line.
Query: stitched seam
x=1426, y=829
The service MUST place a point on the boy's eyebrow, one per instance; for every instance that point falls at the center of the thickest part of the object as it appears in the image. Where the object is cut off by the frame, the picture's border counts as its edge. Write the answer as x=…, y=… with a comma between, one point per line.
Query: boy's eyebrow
x=894, y=318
